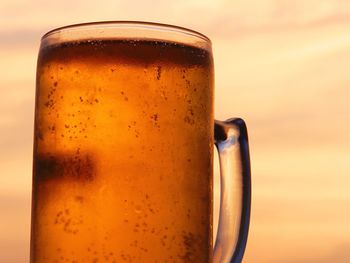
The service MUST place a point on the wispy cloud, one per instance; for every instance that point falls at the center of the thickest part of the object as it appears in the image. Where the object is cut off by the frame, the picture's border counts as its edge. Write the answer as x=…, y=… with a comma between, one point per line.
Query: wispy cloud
x=20, y=38
x=339, y=254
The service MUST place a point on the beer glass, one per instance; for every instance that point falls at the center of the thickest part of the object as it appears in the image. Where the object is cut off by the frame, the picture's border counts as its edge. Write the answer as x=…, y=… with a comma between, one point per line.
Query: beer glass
x=123, y=149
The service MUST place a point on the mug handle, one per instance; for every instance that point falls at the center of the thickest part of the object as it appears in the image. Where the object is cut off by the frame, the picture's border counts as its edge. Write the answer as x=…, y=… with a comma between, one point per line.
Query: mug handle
x=231, y=141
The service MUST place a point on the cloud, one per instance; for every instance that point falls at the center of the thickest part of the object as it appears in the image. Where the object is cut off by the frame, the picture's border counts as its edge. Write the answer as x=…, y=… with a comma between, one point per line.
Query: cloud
x=291, y=87
x=19, y=38
x=15, y=226
x=223, y=18
x=16, y=122
x=340, y=254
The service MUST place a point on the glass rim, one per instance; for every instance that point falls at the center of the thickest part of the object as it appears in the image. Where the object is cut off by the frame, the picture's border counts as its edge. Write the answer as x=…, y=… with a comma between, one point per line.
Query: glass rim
x=131, y=24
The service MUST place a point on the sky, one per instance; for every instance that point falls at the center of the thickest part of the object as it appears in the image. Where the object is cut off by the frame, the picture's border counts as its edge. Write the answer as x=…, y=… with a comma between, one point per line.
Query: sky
x=280, y=65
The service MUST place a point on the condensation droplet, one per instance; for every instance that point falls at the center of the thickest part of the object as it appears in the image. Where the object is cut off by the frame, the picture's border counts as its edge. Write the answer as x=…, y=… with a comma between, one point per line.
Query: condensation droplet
x=138, y=209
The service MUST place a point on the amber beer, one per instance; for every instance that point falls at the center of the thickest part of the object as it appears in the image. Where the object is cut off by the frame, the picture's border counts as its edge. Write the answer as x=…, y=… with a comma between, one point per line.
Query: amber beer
x=123, y=152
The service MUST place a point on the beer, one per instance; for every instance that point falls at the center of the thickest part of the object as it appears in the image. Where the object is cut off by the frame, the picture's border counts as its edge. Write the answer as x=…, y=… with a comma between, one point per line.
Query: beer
x=123, y=152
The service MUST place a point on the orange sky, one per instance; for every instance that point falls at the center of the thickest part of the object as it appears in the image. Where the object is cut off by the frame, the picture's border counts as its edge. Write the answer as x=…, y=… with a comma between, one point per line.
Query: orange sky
x=281, y=65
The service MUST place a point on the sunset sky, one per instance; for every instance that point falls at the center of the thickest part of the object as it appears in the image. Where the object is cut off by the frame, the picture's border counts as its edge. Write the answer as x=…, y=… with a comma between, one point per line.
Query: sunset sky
x=283, y=66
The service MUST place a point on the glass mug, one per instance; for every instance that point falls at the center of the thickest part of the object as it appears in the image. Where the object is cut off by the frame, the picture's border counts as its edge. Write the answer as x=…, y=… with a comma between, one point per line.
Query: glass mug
x=123, y=149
